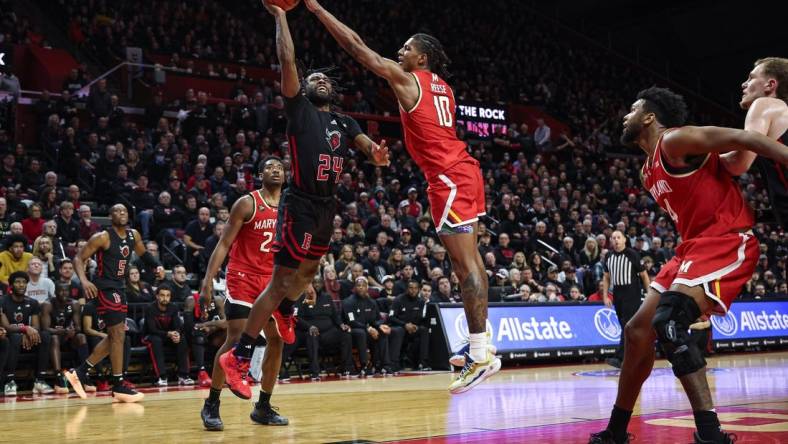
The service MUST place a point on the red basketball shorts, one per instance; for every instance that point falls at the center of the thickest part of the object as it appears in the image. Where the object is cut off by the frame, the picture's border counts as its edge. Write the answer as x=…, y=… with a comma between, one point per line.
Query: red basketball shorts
x=722, y=265
x=457, y=196
x=244, y=288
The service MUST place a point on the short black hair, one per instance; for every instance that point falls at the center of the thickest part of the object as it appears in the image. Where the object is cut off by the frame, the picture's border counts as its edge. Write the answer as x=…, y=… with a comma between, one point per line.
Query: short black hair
x=18, y=274
x=437, y=60
x=261, y=164
x=164, y=286
x=14, y=238
x=669, y=107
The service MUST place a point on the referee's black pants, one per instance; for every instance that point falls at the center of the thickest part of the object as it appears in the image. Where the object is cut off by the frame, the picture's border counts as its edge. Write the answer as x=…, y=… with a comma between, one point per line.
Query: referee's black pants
x=626, y=305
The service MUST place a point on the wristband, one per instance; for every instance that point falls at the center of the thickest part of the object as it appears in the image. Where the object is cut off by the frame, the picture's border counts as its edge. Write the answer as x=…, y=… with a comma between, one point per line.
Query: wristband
x=23, y=329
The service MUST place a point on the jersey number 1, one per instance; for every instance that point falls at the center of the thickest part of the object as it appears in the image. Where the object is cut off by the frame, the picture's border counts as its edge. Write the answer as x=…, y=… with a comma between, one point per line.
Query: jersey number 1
x=442, y=108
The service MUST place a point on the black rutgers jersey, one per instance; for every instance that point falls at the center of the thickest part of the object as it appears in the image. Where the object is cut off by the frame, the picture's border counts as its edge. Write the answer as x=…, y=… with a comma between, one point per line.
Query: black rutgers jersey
x=113, y=262
x=319, y=142
x=19, y=313
x=62, y=316
x=775, y=177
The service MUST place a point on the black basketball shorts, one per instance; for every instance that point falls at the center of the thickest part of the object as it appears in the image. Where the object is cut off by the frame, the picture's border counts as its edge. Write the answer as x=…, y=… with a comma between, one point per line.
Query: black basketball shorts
x=112, y=305
x=303, y=227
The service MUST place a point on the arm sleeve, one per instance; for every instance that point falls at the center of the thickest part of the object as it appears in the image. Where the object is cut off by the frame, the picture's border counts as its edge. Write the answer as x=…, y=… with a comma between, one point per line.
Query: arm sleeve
x=353, y=129
x=637, y=266
x=177, y=320
x=336, y=315
x=295, y=110
x=394, y=319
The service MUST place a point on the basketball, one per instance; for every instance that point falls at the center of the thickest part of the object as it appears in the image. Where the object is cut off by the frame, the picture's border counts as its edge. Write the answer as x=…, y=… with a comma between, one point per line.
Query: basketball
x=284, y=4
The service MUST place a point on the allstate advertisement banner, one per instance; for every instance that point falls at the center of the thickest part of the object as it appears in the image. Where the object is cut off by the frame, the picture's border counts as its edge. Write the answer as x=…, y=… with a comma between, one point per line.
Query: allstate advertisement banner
x=752, y=319
x=527, y=327
x=535, y=327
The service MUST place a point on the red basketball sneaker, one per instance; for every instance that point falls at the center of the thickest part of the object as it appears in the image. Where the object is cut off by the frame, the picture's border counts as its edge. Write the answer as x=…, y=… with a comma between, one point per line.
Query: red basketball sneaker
x=286, y=326
x=235, y=371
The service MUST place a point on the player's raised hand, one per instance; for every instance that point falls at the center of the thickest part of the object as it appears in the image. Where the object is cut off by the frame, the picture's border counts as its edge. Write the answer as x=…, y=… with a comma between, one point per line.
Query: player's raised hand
x=273, y=9
x=380, y=154
x=312, y=5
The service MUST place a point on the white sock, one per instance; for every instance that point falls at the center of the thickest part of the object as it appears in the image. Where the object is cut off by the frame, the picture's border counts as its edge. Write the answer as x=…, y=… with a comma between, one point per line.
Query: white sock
x=478, y=351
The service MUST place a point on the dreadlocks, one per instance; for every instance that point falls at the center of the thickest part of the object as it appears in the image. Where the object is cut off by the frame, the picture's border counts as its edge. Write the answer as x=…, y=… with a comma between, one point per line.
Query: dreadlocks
x=437, y=59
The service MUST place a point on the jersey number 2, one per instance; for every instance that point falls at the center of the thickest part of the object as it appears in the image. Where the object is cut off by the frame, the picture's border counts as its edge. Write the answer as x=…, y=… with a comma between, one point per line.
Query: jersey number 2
x=442, y=108
x=329, y=163
x=264, y=247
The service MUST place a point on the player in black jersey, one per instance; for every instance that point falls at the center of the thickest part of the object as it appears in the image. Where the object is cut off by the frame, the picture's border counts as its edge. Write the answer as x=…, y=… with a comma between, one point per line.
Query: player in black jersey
x=319, y=142
x=765, y=97
x=63, y=322
x=19, y=316
x=112, y=248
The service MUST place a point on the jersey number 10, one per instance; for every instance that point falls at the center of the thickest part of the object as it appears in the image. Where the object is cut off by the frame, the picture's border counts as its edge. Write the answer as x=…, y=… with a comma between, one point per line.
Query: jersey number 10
x=442, y=108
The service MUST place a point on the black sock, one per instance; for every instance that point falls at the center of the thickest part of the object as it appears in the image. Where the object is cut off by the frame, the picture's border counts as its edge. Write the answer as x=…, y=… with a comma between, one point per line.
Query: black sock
x=286, y=307
x=245, y=347
x=619, y=420
x=116, y=380
x=214, y=394
x=85, y=366
x=265, y=399
x=708, y=425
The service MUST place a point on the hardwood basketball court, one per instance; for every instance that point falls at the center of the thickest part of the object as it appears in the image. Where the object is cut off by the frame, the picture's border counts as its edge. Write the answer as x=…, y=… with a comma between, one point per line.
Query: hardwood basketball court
x=560, y=404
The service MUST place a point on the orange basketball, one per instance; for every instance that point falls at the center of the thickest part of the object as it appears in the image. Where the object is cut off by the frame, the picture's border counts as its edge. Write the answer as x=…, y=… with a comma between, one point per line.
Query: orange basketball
x=284, y=4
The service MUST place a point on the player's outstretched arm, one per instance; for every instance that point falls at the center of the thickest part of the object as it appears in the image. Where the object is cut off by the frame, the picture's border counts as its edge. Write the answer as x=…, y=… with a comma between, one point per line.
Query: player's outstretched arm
x=285, y=52
x=759, y=119
x=352, y=43
x=239, y=214
x=695, y=140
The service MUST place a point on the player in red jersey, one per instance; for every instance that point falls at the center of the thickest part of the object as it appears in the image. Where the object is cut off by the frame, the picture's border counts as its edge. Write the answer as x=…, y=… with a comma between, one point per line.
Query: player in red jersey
x=687, y=176
x=248, y=237
x=456, y=188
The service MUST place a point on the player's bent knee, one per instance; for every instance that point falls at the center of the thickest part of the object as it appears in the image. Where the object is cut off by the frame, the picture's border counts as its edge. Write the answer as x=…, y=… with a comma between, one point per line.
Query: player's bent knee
x=675, y=313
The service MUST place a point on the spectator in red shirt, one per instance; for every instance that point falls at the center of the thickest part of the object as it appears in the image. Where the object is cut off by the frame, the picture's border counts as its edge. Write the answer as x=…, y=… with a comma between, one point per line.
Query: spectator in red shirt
x=33, y=225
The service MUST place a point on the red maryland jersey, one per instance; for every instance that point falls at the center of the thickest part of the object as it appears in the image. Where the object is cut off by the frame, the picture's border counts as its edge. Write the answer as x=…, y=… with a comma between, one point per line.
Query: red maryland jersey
x=429, y=126
x=703, y=203
x=251, y=250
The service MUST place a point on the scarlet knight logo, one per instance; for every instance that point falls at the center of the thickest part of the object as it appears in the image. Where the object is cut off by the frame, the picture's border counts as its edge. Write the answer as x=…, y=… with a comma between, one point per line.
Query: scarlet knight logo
x=124, y=251
x=18, y=318
x=333, y=138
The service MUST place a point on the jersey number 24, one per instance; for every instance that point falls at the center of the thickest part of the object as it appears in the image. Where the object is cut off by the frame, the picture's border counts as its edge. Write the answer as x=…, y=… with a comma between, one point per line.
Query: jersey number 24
x=329, y=163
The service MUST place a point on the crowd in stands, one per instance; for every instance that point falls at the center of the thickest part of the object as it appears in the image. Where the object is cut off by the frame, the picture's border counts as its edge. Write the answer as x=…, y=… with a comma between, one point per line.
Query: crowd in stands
x=552, y=203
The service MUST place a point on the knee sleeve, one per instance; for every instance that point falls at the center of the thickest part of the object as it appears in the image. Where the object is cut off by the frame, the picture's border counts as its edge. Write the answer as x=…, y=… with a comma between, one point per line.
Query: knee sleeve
x=675, y=312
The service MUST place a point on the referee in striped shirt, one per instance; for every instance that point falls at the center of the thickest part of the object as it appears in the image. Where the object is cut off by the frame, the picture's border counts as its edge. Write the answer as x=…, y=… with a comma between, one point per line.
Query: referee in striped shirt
x=624, y=274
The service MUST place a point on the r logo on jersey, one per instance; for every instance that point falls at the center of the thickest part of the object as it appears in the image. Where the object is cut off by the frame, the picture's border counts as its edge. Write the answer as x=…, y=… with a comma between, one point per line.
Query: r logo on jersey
x=124, y=251
x=18, y=318
x=333, y=138
x=307, y=241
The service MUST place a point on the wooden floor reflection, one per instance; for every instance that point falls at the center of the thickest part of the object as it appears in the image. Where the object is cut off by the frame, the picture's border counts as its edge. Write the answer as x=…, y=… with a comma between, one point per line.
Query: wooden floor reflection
x=541, y=404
